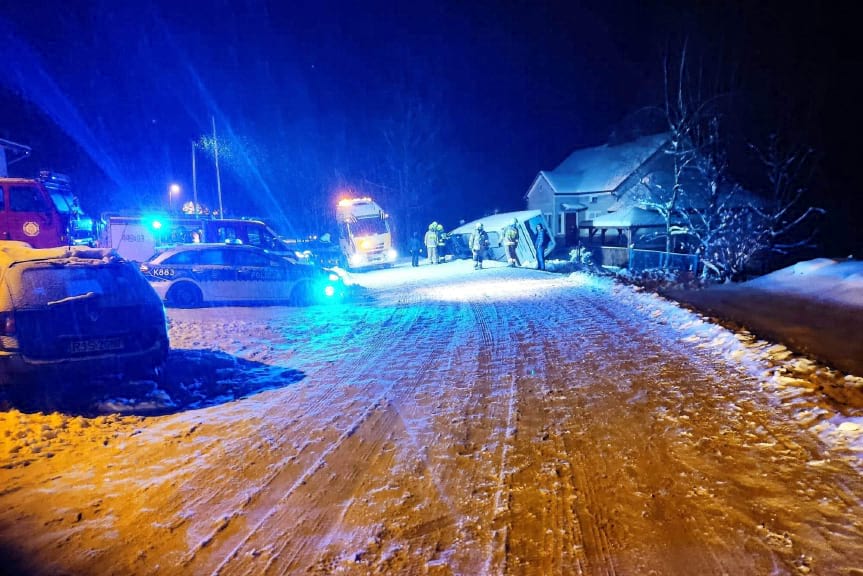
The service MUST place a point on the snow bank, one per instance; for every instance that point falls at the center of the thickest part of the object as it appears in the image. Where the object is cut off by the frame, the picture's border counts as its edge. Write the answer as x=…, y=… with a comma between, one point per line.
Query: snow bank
x=820, y=279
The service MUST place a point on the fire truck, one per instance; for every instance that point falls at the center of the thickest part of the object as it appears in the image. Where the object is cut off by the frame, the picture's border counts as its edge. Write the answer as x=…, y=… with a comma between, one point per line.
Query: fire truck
x=364, y=234
x=42, y=212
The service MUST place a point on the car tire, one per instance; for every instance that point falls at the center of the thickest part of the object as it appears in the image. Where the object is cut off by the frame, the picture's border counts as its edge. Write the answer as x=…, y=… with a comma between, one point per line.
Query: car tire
x=185, y=295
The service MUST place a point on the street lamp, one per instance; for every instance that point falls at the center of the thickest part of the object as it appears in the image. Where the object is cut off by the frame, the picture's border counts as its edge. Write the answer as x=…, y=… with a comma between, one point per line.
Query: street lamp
x=172, y=189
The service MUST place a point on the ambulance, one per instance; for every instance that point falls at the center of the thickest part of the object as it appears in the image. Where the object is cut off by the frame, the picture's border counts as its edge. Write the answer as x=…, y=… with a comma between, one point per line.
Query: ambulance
x=365, y=238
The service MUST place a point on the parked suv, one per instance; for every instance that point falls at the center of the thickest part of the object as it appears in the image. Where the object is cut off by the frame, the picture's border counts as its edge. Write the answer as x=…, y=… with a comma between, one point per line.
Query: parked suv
x=76, y=309
x=191, y=275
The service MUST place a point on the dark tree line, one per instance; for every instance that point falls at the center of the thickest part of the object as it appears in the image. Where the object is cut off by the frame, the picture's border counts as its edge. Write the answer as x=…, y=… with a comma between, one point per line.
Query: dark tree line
x=728, y=222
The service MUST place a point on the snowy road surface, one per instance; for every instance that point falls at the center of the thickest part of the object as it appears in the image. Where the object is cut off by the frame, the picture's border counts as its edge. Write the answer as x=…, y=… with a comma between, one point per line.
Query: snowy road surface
x=505, y=421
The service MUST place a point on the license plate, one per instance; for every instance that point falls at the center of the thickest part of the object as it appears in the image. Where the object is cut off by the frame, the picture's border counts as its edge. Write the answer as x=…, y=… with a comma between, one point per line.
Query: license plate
x=95, y=345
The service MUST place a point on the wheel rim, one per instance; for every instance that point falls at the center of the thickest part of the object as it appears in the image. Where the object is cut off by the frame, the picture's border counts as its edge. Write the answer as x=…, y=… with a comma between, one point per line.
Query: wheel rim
x=185, y=296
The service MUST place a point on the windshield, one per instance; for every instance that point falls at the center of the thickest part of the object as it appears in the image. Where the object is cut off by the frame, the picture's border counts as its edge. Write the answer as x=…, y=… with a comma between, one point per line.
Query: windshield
x=62, y=202
x=369, y=227
x=117, y=283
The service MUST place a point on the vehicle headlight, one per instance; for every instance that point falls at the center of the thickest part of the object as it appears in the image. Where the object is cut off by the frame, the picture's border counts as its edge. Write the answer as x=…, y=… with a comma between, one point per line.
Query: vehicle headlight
x=356, y=259
x=392, y=254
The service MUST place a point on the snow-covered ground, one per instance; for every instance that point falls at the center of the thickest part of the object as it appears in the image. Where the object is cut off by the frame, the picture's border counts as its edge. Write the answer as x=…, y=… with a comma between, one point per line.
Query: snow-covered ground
x=814, y=307
x=502, y=421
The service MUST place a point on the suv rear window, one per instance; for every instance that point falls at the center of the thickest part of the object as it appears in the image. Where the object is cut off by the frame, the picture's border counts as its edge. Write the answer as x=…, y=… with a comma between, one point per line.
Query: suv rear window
x=118, y=284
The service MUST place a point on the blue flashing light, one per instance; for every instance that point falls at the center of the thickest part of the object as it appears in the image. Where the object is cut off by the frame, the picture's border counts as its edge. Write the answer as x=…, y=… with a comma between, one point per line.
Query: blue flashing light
x=329, y=291
x=156, y=224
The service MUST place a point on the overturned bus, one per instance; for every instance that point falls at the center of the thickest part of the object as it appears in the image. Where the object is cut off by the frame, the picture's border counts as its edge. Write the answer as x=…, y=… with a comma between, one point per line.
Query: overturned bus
x=459, y=238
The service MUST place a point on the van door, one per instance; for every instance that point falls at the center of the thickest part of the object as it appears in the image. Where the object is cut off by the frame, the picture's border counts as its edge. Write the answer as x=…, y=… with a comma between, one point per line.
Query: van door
x=132, y=238
x=31, y=217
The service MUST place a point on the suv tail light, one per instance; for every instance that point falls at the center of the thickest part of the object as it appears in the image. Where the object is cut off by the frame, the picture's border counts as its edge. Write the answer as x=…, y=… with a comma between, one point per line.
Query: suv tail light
x=7, y=324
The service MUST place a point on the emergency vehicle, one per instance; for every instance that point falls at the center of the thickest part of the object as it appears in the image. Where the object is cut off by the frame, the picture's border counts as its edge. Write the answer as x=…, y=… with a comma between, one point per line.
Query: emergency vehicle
x=364, y=234
x=31, y=213
x=80, y=228
x=42, y=211
x=138, y=237
x=193, y=275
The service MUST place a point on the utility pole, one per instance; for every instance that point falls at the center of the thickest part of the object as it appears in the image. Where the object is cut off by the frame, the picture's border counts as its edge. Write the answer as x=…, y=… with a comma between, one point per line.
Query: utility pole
x=218, y=177
x=194, y=179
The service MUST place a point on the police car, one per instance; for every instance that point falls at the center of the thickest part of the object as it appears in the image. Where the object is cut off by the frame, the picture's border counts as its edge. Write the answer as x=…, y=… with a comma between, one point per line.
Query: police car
x=192, y=275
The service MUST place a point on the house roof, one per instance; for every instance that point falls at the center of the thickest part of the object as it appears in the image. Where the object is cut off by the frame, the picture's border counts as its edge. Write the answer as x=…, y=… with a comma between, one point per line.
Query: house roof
x=602, y=168
x=627, y=217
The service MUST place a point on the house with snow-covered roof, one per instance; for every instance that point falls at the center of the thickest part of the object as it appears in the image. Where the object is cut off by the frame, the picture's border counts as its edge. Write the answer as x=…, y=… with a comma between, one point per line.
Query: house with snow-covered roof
x=593, y=182
x=603, y=195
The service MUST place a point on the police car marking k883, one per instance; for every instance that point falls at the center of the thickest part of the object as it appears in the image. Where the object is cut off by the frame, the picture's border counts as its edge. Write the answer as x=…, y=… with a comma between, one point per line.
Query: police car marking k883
x=196, y=274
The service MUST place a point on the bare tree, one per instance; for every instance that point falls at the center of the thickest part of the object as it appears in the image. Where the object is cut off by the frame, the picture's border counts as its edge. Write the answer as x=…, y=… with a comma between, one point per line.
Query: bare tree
x=683, y=109
x=409, y=174
x=731, y=226
x=789, y=170
x=712, y=211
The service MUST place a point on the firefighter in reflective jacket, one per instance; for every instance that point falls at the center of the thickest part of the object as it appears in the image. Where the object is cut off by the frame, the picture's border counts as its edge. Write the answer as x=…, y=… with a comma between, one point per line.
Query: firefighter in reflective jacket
x=510, y=240
x=441, y=243
x=478, y=245
x=431, y=240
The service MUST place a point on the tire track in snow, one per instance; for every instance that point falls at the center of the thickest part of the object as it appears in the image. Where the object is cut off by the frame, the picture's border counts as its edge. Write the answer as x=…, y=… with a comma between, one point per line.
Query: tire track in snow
x=212, y=496
x=550, y=537
x=389, y=416
x=673, y=381
x=494, y=354
x=258, y=507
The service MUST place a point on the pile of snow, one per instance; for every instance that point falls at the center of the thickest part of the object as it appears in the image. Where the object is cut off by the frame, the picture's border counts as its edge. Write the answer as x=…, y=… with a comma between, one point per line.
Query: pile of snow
x=840, y=281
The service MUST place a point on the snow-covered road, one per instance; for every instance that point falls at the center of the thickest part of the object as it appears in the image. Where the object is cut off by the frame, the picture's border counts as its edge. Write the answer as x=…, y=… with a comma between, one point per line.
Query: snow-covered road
x=505, y=421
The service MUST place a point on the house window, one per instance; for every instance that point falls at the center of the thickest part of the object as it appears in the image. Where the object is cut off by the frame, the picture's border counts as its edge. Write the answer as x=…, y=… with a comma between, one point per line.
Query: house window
x=561, y=229
x=593, y=199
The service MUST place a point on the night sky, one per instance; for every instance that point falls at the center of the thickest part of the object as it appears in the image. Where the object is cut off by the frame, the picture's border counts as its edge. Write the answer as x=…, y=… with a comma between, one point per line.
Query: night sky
x=304, y=94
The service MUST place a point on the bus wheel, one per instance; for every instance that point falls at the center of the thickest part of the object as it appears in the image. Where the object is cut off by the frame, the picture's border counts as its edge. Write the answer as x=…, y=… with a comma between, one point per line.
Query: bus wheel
x=185, y=296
